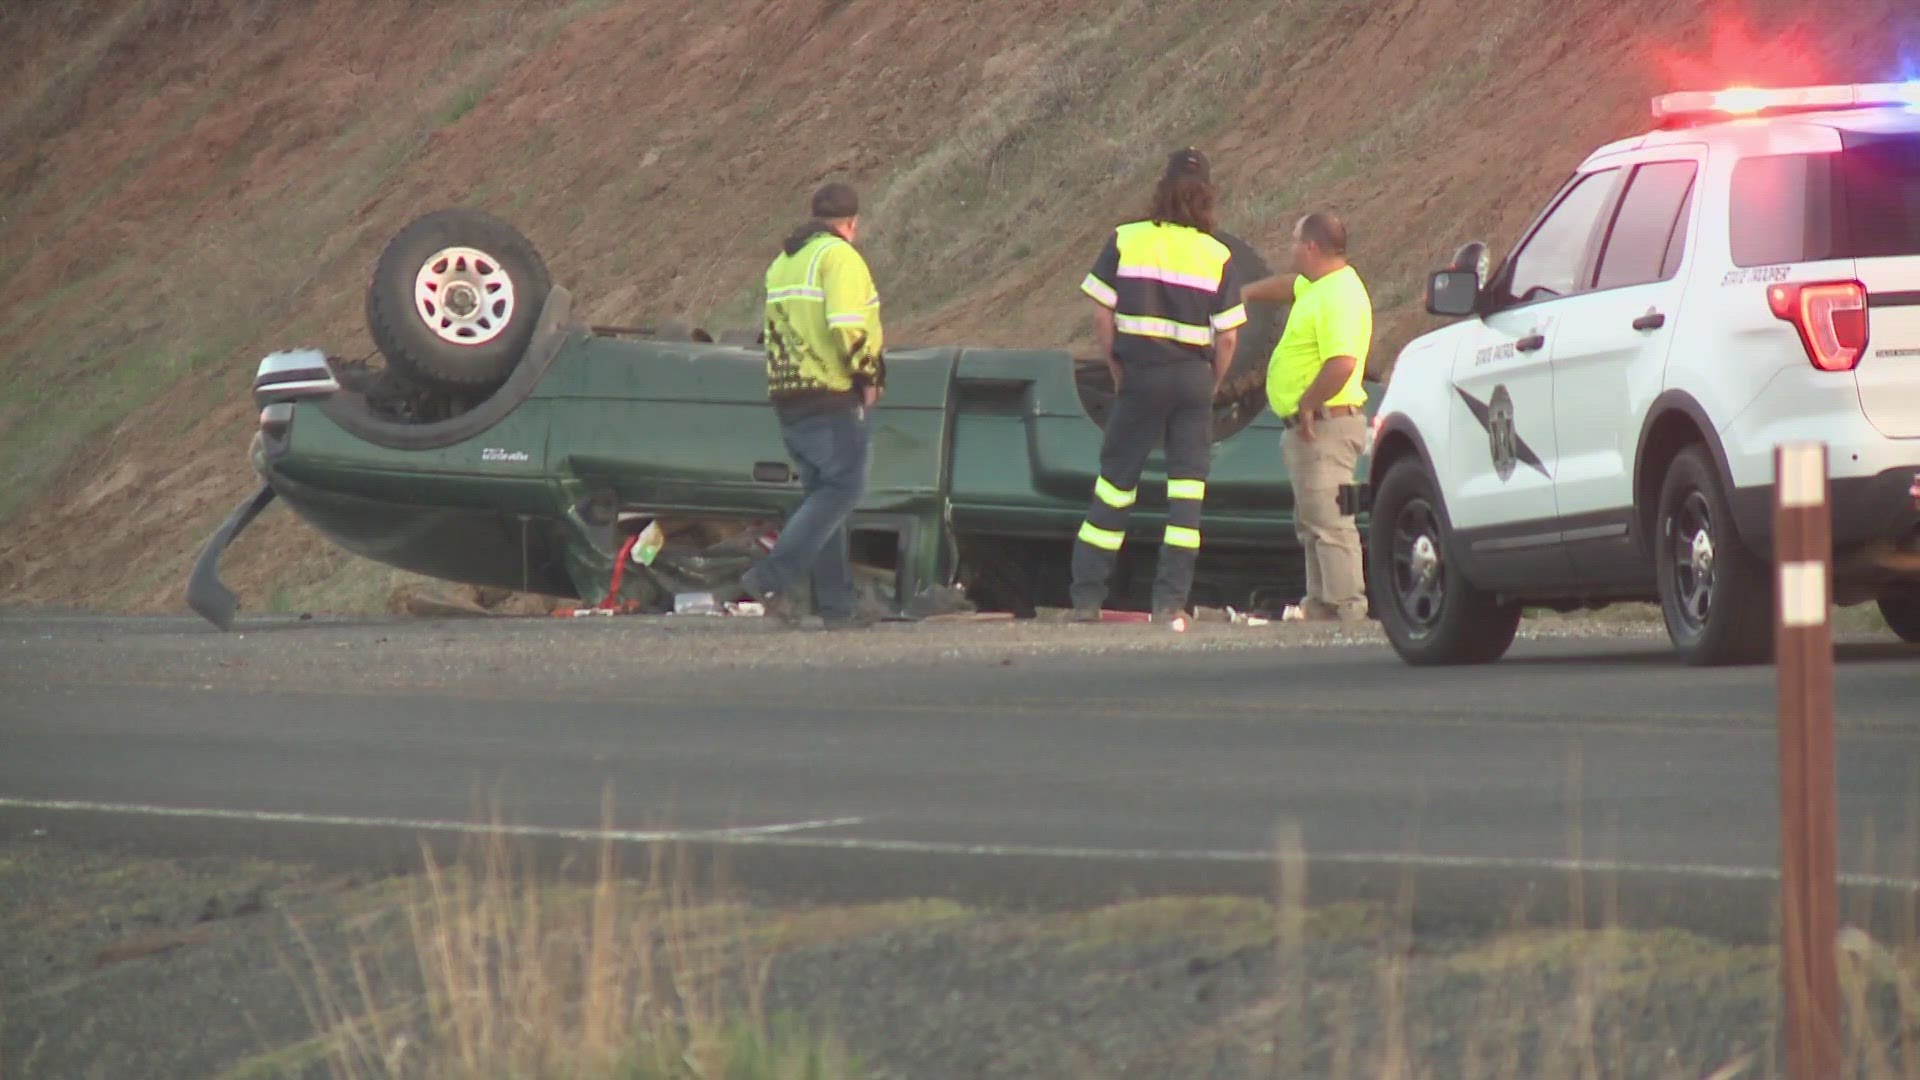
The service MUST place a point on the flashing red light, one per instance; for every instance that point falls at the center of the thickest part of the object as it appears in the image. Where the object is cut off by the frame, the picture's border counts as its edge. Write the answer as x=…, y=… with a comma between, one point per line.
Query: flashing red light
x=1742, y=99
x=1751, y=101
x=1831, y=317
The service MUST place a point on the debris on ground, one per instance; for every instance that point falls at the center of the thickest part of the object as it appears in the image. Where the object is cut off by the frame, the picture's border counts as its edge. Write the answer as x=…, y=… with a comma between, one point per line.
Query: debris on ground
x=419, y=602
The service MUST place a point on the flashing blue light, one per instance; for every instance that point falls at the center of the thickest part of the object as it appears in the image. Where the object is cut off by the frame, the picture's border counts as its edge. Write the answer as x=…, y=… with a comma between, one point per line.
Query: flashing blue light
x=1909, y=68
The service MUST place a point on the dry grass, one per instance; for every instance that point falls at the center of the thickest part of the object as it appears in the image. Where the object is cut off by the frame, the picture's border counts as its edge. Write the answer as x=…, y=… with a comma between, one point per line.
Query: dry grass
x=484, y=969
x=523, y=980
x=649, y=980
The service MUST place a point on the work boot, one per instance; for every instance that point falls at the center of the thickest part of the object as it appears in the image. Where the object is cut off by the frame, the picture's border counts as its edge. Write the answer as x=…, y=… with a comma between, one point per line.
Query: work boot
x=1084, y=615
x=778, y=605
x=859, y=620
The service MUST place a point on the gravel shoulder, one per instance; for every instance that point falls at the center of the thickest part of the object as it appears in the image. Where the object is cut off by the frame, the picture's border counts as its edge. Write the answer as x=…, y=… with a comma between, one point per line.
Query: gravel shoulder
x=293, y=651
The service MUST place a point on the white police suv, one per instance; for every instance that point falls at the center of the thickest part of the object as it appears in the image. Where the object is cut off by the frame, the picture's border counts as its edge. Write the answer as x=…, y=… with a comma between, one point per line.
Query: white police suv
x=1601, y=424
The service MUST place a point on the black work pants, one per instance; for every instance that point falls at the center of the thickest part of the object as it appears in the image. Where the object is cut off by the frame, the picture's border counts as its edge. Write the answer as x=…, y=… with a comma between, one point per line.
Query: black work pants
x=1161, y=403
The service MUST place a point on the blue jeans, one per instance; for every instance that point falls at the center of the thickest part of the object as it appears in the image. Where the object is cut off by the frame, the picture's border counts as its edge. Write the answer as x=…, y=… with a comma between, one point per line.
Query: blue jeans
x=831, y=450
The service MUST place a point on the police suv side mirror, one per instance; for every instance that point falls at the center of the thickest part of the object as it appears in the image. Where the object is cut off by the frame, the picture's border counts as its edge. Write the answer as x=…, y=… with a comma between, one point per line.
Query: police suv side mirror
x=1453, y=293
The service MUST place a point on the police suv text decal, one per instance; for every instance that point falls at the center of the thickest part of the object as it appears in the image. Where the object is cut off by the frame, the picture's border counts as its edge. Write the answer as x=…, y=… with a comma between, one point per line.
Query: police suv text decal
x=1493, y=354
x=1756, y=275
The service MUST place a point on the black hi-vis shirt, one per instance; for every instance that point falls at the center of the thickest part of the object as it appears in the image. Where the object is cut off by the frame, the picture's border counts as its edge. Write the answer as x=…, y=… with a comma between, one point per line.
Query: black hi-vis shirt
x=1171, y=288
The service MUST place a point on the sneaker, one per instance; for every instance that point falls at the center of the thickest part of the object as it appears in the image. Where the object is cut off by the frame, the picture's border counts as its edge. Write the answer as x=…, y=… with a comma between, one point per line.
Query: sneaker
x=778, y=605
x=1174, y=618
x=1084, y=614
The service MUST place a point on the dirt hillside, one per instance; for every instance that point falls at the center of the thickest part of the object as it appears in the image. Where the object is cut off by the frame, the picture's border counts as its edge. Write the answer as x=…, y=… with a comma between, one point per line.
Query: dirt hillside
x=187, y=184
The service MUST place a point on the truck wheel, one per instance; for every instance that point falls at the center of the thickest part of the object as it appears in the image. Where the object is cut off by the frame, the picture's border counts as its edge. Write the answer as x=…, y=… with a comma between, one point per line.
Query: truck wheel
x=1900, y=606
x=1715, y=594
x=1430, y=613
x=454, y=299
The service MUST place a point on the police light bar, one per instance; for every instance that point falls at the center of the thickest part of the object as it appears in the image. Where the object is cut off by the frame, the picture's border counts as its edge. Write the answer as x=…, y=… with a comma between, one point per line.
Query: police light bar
x=1751, y=101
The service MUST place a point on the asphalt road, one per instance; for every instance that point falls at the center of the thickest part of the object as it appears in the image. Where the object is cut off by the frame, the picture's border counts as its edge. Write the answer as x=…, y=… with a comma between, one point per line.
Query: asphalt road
x=987, y=761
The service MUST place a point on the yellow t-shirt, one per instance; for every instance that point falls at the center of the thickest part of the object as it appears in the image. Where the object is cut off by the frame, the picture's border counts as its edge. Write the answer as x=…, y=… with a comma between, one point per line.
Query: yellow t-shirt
x=1331, y=317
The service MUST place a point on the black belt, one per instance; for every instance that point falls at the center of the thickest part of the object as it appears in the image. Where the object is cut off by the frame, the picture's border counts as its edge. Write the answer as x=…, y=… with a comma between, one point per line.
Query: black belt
x=1324, y=412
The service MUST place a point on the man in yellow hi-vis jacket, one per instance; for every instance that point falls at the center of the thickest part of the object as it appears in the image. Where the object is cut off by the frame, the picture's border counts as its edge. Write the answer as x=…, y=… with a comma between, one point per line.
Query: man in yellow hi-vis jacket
x=825, y=371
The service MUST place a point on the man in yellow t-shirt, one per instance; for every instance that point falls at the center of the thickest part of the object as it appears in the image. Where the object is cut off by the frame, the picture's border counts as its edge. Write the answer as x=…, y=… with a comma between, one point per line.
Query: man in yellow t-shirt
x=1314, y=386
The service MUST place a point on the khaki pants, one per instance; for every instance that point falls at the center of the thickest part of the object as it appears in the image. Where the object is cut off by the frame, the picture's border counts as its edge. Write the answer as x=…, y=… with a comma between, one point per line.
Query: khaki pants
x=1336, y=584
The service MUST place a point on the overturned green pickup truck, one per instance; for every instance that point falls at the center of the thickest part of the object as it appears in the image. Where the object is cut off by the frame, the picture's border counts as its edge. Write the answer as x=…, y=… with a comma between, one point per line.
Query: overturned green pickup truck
x=501, y=443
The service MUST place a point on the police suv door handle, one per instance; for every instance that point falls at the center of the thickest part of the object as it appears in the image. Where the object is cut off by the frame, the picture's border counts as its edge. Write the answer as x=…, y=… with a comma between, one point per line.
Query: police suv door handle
x=1652, y=320
x=1531, y=343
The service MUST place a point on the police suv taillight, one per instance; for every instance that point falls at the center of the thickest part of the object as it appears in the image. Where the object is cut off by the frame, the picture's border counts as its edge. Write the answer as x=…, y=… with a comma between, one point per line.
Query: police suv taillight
x=1831, y=317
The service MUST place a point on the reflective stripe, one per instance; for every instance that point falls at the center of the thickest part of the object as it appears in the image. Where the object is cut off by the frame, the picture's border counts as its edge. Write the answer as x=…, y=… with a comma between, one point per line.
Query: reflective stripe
x=1104, y=539
x=1184, y=333
x=813, y=268
x=1100, y=291
x=857, y=319
x=1180, y=537
x=796, y=292
x=1187, y=489
x=1234, y=316
x=1113, y=496
x=1176, y=256
x=1170, y=277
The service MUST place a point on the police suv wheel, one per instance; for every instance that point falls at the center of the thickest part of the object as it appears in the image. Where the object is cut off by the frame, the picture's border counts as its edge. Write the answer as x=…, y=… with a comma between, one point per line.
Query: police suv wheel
x=454, y=299
x=1900, y=606
x=1715, y=594
x=1431, y=614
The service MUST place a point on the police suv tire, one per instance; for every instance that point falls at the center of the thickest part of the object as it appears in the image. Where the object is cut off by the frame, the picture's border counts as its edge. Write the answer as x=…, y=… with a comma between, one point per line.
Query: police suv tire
x=1738, y=624
x=1453, y=622
x=1900, y=606
x=454, y=299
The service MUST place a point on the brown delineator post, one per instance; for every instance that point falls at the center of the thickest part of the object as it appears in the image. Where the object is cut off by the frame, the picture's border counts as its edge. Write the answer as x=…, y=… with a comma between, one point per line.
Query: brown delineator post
x=1803, y=654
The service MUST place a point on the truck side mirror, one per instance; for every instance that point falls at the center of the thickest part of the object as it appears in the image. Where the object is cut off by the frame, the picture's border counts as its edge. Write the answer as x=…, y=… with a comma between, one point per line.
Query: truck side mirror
x=1453, y=293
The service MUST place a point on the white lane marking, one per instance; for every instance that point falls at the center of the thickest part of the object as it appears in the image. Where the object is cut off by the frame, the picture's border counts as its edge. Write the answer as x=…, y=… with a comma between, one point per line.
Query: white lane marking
x=783, y=835
x=284, y=817
x=1803, y=593
x=1348, y=858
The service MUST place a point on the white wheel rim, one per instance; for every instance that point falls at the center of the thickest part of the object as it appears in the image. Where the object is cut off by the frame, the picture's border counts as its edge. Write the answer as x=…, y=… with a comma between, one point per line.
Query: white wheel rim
x=463, y=295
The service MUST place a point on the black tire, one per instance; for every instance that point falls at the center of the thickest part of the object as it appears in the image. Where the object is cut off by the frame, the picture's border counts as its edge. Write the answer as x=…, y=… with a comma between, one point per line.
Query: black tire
x=1715, y=594
x=495, y=284
x=1430, y=613
x=1900, y=606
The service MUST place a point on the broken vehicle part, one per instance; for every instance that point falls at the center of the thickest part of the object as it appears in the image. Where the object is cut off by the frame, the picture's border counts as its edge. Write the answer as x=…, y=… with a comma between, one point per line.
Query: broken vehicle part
x=206, y=593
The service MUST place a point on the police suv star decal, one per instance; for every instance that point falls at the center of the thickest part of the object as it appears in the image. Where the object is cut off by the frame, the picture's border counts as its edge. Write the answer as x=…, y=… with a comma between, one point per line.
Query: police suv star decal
x=1503, y=438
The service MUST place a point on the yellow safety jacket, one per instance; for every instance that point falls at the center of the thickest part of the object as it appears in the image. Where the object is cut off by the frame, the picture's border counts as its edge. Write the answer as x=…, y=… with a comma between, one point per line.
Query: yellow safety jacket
x=823, y=335
x=1172, y=289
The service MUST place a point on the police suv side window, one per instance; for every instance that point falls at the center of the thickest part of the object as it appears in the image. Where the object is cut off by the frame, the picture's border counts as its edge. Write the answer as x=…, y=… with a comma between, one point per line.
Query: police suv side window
x=1781, y=210
x=1640, y=249
x=1551, y=262
x=1677, y=243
